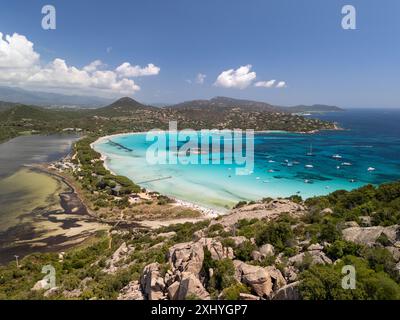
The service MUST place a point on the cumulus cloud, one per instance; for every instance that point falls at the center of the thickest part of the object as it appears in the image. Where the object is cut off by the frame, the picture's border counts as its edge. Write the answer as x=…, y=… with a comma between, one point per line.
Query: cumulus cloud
x=93, y=66
x=127, y=70
x=265, y=84
x=281, y=84
x=200, y=78
x=16, y=52
x=58, y=74
x=20, y=66
x=240, y=78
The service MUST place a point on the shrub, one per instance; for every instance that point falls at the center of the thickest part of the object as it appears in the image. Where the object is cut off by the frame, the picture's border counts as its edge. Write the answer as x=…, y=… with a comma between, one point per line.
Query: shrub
x=244, y=250
x=329, y=232
x=233, y=292
x=276, y=233
x=324, y=282
x=341, y=248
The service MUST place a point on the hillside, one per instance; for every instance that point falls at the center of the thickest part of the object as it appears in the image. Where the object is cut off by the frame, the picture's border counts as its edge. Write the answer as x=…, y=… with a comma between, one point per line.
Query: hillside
x=21, y=96
x=123, y=107
x=224, y=103
x=127, y=114
x=283, y=249
x=316, y=108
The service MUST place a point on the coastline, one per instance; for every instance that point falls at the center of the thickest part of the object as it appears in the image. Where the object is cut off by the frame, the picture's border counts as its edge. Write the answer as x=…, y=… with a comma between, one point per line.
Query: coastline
x=208, y=212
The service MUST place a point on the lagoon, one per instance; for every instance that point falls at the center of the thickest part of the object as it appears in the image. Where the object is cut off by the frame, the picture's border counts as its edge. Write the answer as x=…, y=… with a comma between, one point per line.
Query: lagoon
x=371, y=139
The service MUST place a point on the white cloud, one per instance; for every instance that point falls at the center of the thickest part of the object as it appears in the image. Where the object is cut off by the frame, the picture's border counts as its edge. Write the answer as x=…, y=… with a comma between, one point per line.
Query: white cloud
x=129, y=71
x=20, y=66
x=58, y=74
x=240, y=78
x=93, y=66
x=17, y=52
x=281, y=84
x=265, y=84
x=200, y=78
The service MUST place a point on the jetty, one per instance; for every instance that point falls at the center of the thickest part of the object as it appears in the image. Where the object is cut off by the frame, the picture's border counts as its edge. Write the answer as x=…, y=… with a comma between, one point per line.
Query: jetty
x=119, y=145
x=153, y=180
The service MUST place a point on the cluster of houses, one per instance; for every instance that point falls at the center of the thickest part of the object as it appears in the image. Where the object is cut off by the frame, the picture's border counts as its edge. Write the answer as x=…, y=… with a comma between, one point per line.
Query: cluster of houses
x=67, y=165
x=63, y=165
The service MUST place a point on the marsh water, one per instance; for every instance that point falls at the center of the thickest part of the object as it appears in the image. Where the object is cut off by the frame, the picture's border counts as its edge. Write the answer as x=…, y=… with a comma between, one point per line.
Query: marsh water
x=38, y=212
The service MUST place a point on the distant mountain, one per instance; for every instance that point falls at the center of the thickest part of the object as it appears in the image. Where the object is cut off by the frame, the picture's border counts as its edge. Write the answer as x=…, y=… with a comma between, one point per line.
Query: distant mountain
x=223, y=103
x=315, y=108
x=123, y=107
x=24, y=114
x=6, y=105
x=226, y=103
x=46, y=99
x=127, y=115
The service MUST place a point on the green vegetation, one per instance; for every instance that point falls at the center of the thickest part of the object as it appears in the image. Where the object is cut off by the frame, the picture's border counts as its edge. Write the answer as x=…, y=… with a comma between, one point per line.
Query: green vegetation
x=244, y=250
x=94, y=178
x=279, y=234
x=325, y=283
x=127, y=115
x=381, y=203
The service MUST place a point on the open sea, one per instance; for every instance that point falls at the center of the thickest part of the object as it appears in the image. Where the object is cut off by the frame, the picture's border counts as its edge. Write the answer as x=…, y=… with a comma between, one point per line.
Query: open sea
x=366, y=152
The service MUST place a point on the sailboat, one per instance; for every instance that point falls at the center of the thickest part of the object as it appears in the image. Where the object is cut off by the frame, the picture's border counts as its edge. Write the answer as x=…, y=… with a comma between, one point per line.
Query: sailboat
x=310, y=153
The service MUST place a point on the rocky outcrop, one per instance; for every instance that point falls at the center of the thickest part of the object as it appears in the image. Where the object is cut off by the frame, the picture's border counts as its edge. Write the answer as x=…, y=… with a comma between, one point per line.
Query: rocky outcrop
x=248, y=297
x=131, y=292
x=267, y=250
x=72, y=294
x=288, y=292
x=256, y=277
x=270, y=211
x=351, y=224
x=239, y=240
x=315, y=247
x=369, y=235
x=327, y=211
x=41, y=285
x=278, y=281
x=189, y=286
x=317, y=257
x=366, y=221
x=186, y=257
x=395, y=251
x=118, y=257
x=217, y=250
x=52, y=292
x=167, y=235
x=290, y=273
x=151, y=282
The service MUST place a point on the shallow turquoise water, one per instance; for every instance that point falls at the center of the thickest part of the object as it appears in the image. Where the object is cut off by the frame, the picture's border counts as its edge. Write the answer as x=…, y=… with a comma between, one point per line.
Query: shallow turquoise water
x=371, y=140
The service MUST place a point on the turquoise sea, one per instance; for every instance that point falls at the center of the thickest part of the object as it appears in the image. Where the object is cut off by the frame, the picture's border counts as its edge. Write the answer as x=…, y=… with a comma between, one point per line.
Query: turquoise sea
x=367, y=152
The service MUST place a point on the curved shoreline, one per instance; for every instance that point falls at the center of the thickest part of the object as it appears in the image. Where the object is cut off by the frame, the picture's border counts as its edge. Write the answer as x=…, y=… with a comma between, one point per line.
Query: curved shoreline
x=209, y=212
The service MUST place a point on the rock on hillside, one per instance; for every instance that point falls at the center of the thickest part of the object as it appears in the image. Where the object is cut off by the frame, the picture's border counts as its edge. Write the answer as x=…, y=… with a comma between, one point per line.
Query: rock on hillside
x=369, y=235
x=269, y=211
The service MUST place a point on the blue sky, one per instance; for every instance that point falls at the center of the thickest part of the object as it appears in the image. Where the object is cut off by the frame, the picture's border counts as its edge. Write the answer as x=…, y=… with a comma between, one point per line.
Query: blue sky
x=299, y=42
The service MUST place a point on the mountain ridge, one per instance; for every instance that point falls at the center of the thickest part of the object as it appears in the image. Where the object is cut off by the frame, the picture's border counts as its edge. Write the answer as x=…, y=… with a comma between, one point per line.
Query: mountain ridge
x=48, y=99
x=250, y=105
